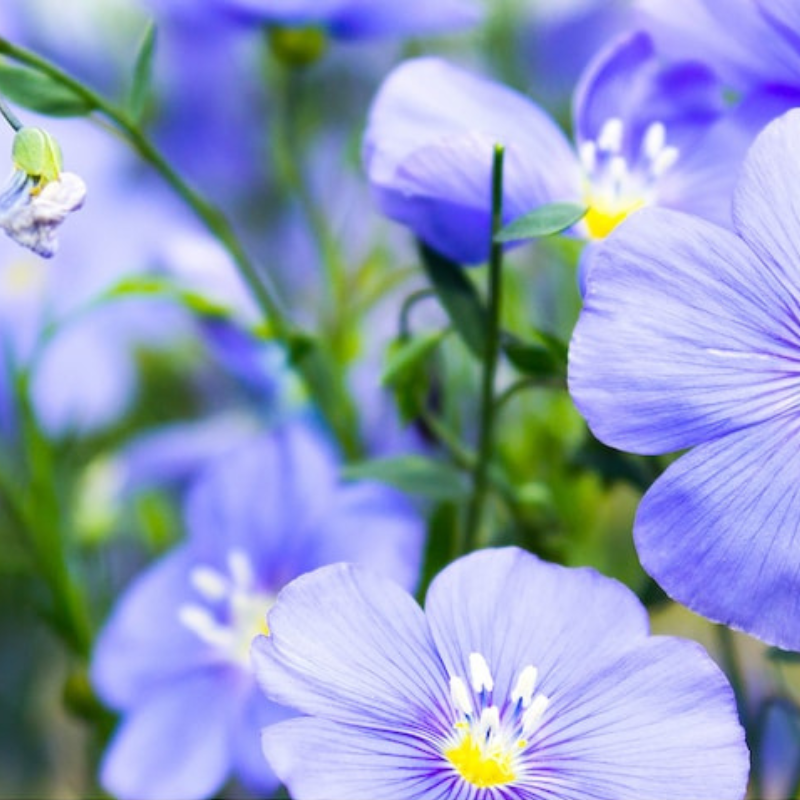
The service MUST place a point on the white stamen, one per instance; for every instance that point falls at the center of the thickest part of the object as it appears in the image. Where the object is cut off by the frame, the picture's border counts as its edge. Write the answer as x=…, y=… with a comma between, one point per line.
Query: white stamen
x=664, y=160
x=210, y=583
x=655, y=137
x=460, y=696
x=241, y=569
x=588, y=156
x=490, y=722
x=534, y=713
x=199, y=621
x=525, y=686
x=481, y=676
x=618, y=170
x=610, y=138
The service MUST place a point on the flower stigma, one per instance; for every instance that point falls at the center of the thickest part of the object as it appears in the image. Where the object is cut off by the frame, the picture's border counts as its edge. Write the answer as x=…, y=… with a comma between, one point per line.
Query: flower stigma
x=615, y=187
x=487, y=741
x=232, y=611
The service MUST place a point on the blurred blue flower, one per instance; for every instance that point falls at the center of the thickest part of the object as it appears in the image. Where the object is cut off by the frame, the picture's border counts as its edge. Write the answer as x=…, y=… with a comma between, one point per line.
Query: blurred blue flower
x=748, y=42
x=174, y=656
x=360, y=19
x=520, y=679
x=689, y=338
x=647, y=133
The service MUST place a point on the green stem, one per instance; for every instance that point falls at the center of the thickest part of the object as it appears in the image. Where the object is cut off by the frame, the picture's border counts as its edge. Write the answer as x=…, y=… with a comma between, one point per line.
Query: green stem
x=521, y=385
x=214, y=220
x=10, y=117
x=490, y=358
x=322, y=378
x=408, y=304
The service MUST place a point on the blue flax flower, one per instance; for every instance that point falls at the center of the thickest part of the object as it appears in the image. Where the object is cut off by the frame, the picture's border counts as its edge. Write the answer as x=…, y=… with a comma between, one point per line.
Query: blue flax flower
x=174, y=656
x=520, y=679
x=361, y=19
x=647, y=133
x=689, y=338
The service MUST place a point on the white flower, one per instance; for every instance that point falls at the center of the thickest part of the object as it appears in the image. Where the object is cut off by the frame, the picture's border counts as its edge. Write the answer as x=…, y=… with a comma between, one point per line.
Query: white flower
x=31, y=212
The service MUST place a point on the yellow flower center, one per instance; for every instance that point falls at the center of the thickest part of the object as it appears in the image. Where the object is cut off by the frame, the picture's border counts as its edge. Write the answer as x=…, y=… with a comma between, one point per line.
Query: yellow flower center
x=488, y=742
x=481, y=765
x=602, y=218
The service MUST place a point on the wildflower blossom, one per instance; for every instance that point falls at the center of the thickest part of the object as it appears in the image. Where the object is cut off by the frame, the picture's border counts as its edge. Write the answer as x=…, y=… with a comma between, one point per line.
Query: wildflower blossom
x=174, y=656
x=647, y=133
x=689, y=338
x=520, y=679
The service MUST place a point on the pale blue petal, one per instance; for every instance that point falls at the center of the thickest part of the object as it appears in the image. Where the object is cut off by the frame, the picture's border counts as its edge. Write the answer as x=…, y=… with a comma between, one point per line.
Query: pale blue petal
x=628, y=82
x=143, y=643
x=659, y=721
x=428, y=151
x=684, y=336
x=353, y=764
x=703, y=180
x=720, y=531
x=766, y=205
x=516, y=610
x=176, y=745
x=351, y=646
x=784, y=16
x=732, y=37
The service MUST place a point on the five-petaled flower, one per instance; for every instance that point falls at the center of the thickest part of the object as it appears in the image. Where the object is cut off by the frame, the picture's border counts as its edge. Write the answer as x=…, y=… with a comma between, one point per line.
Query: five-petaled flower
x=520, y=679
x=690, y=338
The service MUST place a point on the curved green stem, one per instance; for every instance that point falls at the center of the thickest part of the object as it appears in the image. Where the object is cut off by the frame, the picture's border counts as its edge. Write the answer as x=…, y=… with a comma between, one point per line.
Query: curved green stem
x=322, y=378
x=490, y=358
x=9, y=116
x=214, y=220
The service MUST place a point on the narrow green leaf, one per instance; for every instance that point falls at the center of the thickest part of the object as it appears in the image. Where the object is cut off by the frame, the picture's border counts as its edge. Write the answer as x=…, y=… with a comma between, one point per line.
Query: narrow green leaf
x=406, y=357
x=784, y=656
x=413, y=474
x=38, y=92
x=459, y=298
x=545, y=358
x=142, y=73
x=543, y=221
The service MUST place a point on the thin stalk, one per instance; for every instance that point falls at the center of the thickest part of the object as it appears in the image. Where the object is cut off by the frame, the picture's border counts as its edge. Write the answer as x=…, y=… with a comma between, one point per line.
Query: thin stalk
x=322, y=377
x=490, y=358
x=212, y=217
x=9, y=116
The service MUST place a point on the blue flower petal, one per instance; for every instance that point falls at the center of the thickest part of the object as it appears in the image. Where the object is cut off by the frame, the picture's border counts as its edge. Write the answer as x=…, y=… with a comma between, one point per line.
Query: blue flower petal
x=720, y=530
x=784, y=16
x=351, y=646
x=143, y=643
x=485, y=601
x=704, y=183
x=175, y=745
x=658, y=721
x=734, y=38
x=428, y=152
x=628, y=82
x=361, y=19
x=684, y=336
x=352, y=764
x=766, y=206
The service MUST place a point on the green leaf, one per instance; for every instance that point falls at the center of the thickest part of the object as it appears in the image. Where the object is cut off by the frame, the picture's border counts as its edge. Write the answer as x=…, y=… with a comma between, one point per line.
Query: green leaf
x=142, y=73
x=406, y=357
x=545, y=358
x=782, y=656
x=543, y=221
x=38, y=92
x=459, y=298
x=415, y=475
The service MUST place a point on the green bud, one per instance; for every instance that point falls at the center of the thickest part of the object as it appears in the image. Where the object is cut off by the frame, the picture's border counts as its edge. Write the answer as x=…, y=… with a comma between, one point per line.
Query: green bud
x=37, y=153
x=298, y=47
